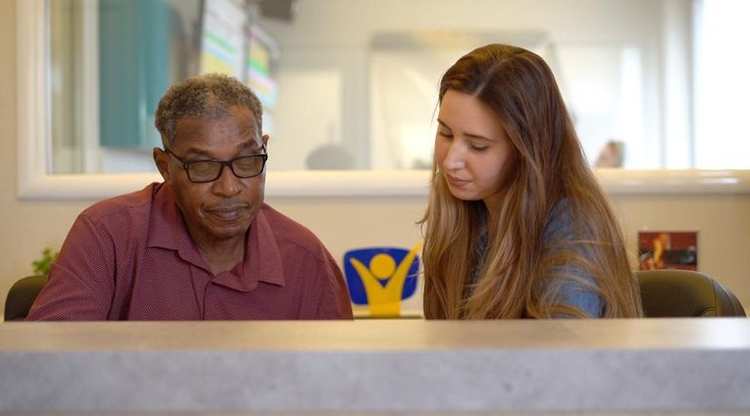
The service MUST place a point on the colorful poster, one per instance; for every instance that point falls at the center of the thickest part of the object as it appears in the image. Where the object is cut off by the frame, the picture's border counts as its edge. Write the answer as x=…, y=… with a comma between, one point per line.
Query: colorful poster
x=668, y=250
x=223, y=38
x=261, y=51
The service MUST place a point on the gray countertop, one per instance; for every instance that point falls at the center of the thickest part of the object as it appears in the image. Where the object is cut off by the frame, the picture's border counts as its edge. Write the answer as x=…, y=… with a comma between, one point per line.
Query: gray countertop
x=400, y=366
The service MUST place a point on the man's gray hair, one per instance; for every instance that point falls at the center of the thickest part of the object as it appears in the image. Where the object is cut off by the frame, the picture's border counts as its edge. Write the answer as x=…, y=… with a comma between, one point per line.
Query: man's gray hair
x=208, y=95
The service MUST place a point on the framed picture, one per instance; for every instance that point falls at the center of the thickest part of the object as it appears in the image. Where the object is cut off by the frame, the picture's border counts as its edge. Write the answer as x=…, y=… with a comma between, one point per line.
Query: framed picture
x=668, y=250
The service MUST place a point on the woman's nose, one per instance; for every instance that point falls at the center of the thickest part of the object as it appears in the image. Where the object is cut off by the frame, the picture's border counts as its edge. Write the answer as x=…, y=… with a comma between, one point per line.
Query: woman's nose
x=454, y=159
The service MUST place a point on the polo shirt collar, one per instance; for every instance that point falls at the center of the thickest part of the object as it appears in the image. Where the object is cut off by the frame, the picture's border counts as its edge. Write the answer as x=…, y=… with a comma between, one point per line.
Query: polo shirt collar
x=262, y=259
x=262, y=262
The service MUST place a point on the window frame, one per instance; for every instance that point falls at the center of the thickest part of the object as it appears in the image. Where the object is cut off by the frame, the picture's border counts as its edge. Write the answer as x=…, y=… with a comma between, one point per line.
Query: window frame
x=34, y=151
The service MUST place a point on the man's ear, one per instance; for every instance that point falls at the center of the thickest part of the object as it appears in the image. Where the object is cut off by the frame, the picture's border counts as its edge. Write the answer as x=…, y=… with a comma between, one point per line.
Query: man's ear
x=161, y=159
x=265, y=139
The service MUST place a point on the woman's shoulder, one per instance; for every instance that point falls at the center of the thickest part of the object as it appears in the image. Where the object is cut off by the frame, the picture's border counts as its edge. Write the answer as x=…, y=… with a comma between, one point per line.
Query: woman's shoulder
x=561, y=223
x=564, y=236
x=582, y=296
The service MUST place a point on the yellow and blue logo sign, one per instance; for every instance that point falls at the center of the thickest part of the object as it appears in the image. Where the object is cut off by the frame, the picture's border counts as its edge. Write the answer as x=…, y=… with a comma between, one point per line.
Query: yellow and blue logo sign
x=381, y=277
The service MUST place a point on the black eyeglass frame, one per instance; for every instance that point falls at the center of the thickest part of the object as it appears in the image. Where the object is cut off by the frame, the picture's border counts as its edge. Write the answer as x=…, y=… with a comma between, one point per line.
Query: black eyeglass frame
x=186, y=164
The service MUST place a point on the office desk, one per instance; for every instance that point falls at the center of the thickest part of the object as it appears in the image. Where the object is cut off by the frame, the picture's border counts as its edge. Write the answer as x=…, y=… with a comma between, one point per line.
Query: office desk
x=653, y=366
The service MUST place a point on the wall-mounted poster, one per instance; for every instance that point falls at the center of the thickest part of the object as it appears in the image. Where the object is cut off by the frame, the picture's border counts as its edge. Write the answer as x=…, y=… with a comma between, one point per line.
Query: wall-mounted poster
x=668, y=250
x=262, y=51
x=223, y=37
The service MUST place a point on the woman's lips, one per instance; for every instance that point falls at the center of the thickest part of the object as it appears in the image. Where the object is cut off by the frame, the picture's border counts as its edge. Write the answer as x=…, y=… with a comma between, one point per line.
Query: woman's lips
x=456, y=182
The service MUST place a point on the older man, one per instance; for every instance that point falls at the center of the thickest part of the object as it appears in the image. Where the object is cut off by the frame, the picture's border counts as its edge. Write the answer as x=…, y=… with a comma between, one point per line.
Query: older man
x=202, y=244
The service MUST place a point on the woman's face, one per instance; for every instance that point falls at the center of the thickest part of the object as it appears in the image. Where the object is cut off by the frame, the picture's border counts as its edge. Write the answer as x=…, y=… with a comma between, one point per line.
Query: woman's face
x=471, y=149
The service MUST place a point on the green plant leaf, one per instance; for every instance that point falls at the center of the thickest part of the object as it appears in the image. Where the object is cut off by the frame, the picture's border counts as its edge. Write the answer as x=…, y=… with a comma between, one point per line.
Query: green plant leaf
x=42, y=265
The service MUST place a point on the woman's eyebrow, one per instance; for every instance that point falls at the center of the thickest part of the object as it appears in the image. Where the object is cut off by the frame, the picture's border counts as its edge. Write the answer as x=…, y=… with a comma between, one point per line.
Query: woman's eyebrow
x=469, y=135
x=477, y=136
x=443, y=124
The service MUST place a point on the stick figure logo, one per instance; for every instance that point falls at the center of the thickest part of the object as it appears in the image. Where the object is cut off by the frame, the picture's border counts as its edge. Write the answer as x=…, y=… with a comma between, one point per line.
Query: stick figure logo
x=381, y=277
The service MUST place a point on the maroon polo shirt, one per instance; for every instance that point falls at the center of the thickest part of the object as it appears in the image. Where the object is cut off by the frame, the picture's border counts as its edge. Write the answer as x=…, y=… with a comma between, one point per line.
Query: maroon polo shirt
x=131, y=257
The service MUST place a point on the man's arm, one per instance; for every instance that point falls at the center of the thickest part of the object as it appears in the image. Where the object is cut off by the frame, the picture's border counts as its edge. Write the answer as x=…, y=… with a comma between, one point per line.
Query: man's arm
x=81, y=281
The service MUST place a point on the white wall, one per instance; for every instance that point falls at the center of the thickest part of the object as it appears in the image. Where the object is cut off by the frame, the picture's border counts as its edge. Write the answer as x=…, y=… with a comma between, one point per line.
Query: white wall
x=722, y=137
x=322, y=22
x=344, y=223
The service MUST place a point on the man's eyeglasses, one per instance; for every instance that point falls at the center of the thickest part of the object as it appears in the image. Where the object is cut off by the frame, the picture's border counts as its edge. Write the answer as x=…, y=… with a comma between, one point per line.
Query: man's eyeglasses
x=202, y=171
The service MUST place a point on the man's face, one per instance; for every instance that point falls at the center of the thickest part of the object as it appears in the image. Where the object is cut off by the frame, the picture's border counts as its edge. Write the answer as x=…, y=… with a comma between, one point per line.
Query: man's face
x=222, y=209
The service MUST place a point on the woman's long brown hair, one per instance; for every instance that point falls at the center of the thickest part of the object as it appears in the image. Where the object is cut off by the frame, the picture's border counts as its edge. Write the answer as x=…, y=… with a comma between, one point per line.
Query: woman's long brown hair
x=521, y=277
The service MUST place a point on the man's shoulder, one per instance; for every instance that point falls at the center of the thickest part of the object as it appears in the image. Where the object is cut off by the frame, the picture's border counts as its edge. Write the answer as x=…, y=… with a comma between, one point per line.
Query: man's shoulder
x=289, y=232
x=135, y=204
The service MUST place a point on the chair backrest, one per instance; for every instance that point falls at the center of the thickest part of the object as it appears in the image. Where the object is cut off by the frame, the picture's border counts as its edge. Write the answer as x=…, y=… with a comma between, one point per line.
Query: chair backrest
x=21, y=296
x=683, y=293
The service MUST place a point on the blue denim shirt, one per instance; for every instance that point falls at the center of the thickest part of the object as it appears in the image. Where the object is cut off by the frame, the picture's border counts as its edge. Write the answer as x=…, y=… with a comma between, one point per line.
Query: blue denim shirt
x=557, y=232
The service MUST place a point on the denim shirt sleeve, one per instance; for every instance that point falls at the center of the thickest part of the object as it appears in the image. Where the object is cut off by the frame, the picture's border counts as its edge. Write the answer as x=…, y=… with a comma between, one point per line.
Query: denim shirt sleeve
x=585, y=299
x=558, y=232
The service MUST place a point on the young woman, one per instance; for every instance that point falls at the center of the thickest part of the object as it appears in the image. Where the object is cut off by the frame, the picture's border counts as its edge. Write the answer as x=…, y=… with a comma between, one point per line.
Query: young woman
x=517, y=226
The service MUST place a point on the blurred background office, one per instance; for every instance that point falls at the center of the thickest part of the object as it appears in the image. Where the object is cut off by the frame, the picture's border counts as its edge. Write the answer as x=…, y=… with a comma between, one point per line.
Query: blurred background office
x=656, y=77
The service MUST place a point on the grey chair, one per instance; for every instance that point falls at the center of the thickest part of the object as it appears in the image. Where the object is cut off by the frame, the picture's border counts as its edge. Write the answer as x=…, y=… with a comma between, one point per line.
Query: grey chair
x=21, y=296
x=682, y=293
